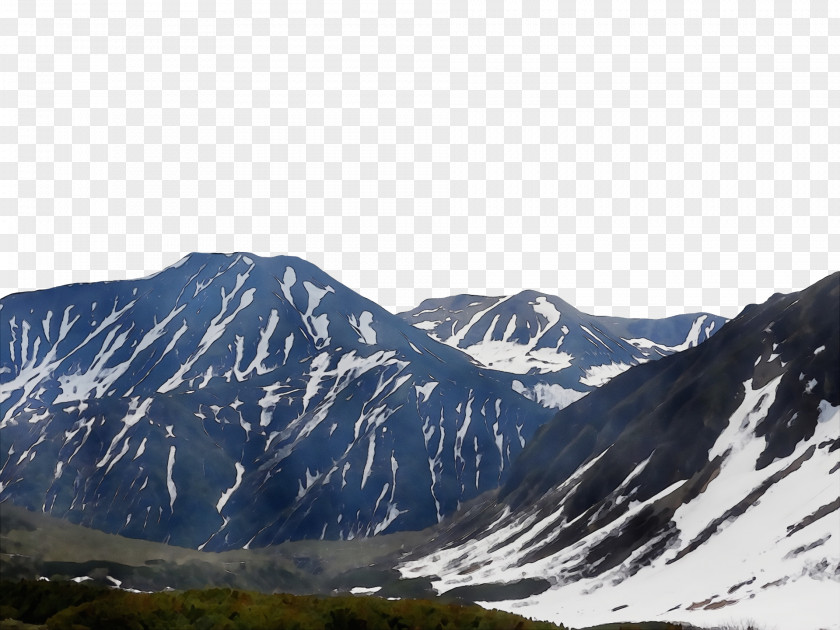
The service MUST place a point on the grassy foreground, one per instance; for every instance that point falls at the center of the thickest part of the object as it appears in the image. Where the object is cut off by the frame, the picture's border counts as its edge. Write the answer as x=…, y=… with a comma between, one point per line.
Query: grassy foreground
x=43, y=605
x=72, y=606
x=34, y=544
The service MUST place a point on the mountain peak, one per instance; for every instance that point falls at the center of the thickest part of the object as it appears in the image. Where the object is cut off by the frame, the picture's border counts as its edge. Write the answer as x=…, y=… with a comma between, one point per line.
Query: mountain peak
x=535, y=333
x=235, y=400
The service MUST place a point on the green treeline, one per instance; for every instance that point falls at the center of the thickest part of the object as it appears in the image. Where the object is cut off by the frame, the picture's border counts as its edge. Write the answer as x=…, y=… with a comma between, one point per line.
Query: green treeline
x=71, y=606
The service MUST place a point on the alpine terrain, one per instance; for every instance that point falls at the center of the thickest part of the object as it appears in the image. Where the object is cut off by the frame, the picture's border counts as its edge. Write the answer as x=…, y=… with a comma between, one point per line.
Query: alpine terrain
x=559, y=353
x=233, y=401
x=703, y=487
x=564, y=466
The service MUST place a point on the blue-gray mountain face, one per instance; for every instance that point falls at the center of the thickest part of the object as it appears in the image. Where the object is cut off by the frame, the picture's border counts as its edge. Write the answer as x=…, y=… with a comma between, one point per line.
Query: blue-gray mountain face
x=236, y=401
x=232, y=401
x=560, y=353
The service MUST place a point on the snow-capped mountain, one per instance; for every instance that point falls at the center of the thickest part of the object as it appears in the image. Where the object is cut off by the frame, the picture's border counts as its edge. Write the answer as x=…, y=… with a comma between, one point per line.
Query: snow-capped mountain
x=703, y=487
x=232, y=401
x=559, y=353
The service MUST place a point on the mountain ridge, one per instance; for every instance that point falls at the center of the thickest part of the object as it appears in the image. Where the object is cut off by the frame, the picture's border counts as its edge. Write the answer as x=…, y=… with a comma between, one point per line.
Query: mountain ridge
x=554, y=347
x=724, y=454
x=232, y=399
x=232, y=402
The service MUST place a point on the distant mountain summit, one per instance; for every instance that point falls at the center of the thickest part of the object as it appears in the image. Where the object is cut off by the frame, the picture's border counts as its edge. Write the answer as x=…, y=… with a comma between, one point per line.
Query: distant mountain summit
x=560, y=352
x=702, y=487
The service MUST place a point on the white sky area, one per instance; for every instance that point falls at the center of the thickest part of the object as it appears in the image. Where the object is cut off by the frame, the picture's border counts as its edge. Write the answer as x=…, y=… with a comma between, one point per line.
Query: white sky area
x=634, y=158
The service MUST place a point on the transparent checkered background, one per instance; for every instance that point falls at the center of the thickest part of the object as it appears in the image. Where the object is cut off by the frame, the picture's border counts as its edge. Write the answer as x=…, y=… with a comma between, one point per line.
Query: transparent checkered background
x=636, y=158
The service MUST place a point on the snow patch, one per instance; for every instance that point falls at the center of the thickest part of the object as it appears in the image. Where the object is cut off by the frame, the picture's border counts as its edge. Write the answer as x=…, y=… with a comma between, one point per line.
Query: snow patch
x=363, y=328
x=170, y=484
x=597, y=375
x=434, y=459
x=317, y=325
x=461, y=432
x=240, y=471
x=290, y=340
x=140, y=449
x=390, y=517
x=369, y=462
x=136, y=412
x=548, y=395
x=424, y=391
x=305, y=485
x=257, y=363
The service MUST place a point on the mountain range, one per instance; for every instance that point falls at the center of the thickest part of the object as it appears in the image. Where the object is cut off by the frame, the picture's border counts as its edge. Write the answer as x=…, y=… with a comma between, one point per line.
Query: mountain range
x=566, y=466
x=234, y=401
x=697, y=487
x=560, y=353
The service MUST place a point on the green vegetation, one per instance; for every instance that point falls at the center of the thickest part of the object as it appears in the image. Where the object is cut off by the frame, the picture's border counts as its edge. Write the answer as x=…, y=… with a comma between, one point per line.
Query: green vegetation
x=33, y=545
x=71, y=606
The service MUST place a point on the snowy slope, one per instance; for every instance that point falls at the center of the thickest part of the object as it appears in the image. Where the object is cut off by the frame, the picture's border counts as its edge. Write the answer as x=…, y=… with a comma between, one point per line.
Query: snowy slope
x=704, y=487
x=559, y=353
x=233, y=400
